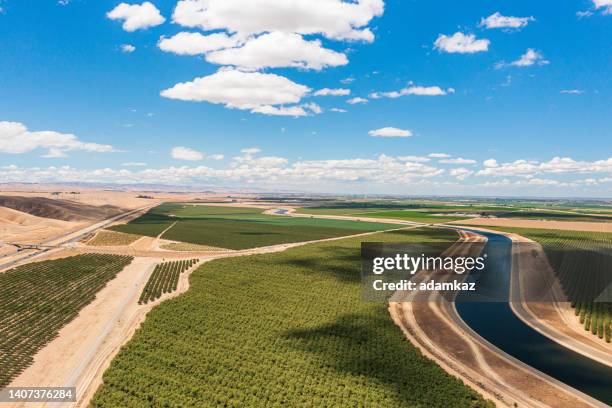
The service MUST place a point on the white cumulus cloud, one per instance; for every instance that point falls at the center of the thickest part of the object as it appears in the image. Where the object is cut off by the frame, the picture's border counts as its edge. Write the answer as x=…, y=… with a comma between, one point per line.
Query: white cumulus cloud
x=186, y=153
x=461, y=43
x=556, y=165
x=497, y=20
x=128, y=48
x=134, y=164
x=604, y=5
x=186, y=43
x=334, y=19
x=356, y=100
x=413, y=90
x=295, y=111
x=236, y=89
x=276, y=50
x=461, y=173
x=439, y=155
x=333, y=92
x=390, y=132
x=490, y=163
x=15, y=138
x=418, y=159
x=356, y=174
x=137, y=16
x=458, y=160
x=530, y=57
x=571, y=91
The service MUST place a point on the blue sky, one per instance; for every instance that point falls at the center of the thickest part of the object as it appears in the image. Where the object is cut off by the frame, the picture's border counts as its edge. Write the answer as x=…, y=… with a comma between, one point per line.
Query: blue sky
x=533, y=98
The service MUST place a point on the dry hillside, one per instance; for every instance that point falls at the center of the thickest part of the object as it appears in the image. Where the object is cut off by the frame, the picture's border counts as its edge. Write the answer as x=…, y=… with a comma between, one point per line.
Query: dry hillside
x=16, y=226
x=59, y=209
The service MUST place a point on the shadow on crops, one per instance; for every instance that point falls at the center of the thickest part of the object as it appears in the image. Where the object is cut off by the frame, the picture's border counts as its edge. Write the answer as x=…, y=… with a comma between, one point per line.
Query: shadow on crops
x=152, y=218
x=371, y=346
x=341, y=262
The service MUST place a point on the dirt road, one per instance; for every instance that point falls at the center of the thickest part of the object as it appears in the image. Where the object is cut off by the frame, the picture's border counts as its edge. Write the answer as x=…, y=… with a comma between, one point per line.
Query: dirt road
x=552, y=316
x=432, y=323
x=538, y=224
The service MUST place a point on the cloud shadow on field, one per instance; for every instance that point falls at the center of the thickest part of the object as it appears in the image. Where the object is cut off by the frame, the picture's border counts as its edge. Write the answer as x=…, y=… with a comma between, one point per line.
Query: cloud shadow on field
x=341, y=262
x=370, y=346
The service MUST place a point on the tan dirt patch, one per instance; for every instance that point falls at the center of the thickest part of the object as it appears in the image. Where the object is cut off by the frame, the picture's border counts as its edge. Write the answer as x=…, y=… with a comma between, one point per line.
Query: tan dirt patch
x=538, y=224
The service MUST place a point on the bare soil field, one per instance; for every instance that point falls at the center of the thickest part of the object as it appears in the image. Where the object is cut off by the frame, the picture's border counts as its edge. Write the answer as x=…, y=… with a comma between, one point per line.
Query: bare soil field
x=540, y=224
x=7, y=249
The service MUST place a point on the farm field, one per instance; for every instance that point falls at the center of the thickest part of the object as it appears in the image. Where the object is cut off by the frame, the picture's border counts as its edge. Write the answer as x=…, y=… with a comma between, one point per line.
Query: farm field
x=184, y=246
x=438, y=213
x=280, y=329
x=150, y=224
x=164, y=279
x=426, y=215
x=582, y=263
x=238, y=228
x=39, y=298
x=357, y=208
x=112, y=238
x=557, y=216
x=410, y=215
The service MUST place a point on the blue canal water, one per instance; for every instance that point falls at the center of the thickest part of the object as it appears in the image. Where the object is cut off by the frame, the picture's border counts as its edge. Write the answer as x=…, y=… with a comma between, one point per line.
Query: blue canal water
x=496, y=323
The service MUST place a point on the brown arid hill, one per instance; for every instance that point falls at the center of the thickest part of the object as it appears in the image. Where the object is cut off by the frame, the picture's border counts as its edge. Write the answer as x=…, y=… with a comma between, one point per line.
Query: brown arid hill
x=17, y=226
x=59, y=209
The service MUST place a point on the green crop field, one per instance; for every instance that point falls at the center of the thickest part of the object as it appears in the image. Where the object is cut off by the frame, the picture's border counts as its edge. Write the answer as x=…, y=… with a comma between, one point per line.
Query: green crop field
x=38, y=299
x=410, y=215
x=112, y=238
x=150, y=224
x=363, y=209
x=285, y=329
x=335, y=210
x=239, y=228
x=438, y=213
x=582, y=261
x=164, y=279
x=425, y=213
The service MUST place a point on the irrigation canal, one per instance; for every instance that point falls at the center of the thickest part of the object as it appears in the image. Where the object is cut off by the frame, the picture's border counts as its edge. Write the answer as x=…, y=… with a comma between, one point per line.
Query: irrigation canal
x=496, y=322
